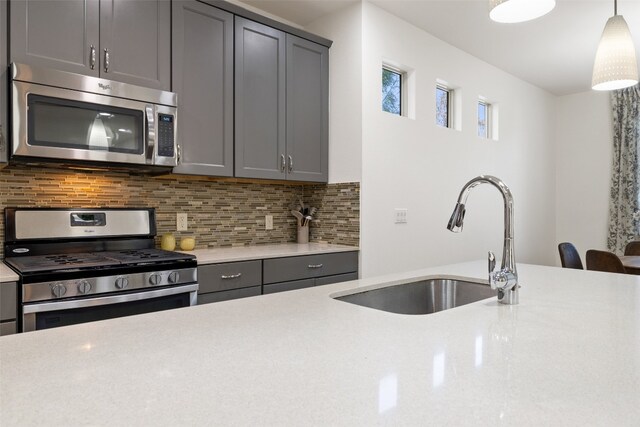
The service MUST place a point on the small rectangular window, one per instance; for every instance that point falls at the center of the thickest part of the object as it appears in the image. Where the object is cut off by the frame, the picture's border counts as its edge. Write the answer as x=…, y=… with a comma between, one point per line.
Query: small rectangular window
x=443, y=106
x=391, y=91
x=483, y=119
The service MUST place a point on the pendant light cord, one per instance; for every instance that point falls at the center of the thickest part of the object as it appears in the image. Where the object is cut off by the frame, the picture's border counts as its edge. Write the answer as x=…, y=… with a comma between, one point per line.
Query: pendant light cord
x=615, y=7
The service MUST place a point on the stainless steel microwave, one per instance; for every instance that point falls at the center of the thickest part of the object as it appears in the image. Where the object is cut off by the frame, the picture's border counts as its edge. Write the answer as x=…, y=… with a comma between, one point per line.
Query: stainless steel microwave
x=74, y=119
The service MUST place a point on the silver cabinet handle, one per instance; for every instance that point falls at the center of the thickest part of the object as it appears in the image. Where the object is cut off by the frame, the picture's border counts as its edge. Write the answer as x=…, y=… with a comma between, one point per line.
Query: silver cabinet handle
x=283, y=163
x=290, y=164
x=92, y=57
x=315, y=265
x=106, y=60
x=231, y=276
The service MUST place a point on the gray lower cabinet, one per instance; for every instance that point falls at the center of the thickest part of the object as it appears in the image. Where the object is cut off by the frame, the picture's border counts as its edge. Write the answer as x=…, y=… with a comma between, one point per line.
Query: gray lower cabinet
x=8, y=308
x=229, y=295
x=260, y=143
x=220, y=282
x=309, y=266
x=288, y=286
x=202, y=76
x=286, y=274
x=123, y=40
x=3, y=86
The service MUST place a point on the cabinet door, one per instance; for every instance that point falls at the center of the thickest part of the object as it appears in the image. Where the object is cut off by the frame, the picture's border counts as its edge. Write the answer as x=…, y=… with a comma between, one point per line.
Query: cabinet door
x=307, y=110
x=55, y=34
x=259, y=101
x=136, y=37
x=3, y=82
x=203, y=79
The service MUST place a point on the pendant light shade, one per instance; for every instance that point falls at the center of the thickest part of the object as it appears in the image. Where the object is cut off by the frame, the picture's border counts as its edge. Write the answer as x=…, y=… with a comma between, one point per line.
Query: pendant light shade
x=513, y=11
x=615, y=66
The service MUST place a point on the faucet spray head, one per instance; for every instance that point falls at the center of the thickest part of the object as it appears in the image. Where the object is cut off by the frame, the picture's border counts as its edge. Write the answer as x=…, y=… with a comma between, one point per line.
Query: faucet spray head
x=457, y=218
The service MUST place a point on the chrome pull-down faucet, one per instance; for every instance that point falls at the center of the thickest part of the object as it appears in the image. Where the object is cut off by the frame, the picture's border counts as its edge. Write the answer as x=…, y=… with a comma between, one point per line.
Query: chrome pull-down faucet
x=505, y=280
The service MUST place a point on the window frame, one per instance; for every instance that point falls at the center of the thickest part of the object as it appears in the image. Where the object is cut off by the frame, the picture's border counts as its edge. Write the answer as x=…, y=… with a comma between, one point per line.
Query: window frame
x=487, y=118
x=402, y=92
x=449, y=93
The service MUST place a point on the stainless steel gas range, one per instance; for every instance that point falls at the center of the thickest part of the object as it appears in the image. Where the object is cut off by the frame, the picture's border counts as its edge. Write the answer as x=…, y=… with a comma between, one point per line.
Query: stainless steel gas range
x=82, y=265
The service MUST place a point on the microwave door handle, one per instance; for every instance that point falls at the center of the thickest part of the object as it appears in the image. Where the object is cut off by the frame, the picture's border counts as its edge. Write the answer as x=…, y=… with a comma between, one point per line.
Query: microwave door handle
x=151, y=133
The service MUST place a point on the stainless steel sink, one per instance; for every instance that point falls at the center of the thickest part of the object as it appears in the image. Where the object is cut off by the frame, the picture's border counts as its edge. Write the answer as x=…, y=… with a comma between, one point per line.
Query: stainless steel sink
x=422, y=297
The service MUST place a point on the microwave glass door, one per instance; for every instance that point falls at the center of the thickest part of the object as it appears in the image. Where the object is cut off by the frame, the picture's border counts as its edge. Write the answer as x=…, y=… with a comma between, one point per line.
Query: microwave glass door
x=63, y=123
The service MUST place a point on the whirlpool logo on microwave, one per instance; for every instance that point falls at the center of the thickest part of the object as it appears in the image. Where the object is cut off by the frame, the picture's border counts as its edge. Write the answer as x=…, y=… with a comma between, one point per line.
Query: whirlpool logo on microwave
x=104, y=86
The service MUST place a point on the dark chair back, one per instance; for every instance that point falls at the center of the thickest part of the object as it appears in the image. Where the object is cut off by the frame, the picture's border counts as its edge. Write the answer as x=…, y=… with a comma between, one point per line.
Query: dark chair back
x=604, y=261
x=569, y=256
x=632, y=248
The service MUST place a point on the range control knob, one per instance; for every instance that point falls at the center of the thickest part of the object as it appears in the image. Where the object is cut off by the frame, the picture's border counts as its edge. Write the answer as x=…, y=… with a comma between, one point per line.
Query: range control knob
x=122, y=282
x=174, y=276
x=84, y=286
x=155, y=279
x=58, y=289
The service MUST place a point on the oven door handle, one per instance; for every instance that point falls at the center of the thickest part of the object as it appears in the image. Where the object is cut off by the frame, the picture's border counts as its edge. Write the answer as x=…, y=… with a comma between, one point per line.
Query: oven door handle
x=43, y=307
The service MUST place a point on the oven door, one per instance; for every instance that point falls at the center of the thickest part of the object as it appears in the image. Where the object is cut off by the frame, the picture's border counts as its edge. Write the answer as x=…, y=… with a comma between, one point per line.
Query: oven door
x=47, y=315
x=55, y=123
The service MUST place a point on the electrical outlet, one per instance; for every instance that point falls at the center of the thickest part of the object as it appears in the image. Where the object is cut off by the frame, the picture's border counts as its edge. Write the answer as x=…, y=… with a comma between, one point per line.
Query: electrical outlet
x=401, y=216
x=268, y=222
x=181, y=222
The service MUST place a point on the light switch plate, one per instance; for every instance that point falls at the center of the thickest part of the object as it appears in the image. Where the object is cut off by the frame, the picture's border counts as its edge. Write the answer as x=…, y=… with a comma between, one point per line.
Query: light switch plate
x=181, y=222
x=268, y=222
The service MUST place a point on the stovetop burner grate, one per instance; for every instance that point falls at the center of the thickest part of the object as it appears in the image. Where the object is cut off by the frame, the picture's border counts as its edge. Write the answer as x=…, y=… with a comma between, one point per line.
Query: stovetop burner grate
x=93, y=260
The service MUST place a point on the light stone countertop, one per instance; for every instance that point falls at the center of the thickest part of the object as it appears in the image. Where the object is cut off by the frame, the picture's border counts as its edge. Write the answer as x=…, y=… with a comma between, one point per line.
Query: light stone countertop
x=247, y=253
x=7, y=274
x=568, y=354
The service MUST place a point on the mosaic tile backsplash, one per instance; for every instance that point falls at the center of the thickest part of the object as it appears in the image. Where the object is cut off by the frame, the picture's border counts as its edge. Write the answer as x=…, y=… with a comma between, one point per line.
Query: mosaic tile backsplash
x=220, y=213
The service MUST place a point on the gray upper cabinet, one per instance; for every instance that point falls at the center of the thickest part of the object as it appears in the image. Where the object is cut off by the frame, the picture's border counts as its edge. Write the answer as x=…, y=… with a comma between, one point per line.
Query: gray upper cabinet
x=203, y=79
x=260, y=144
x=56, y=34
x=135, y=42
x=307, y=110
x=123, y=40
x=281, y=105
x=3, y=85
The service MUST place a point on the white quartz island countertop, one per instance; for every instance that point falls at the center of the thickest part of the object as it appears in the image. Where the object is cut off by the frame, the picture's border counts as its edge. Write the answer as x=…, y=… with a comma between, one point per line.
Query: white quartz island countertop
x=568, y=354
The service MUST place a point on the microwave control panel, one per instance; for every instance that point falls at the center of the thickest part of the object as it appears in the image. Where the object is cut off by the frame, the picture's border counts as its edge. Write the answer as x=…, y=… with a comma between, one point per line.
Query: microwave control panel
x=165, y=135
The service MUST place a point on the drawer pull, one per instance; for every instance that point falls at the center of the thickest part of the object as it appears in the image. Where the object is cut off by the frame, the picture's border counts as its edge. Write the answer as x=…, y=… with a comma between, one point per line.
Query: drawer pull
x=315, y=265
x=231, y=276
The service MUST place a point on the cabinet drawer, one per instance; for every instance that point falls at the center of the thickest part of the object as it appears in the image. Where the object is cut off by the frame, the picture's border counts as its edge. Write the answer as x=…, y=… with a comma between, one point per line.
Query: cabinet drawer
x=288, y=286
x=336, y=279
x=8, y=301
x=229, y=295
x=8, y=328
x=232, y=275
x=309, y=266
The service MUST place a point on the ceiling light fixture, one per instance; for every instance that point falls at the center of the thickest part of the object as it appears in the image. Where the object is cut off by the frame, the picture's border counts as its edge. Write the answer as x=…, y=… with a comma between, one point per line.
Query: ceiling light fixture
x=513, y=11
x=615, y=66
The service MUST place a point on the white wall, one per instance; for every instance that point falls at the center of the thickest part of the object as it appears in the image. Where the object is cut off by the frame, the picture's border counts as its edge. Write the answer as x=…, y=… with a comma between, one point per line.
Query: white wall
x=584, y=155
x=345, y=91
x=554, y=153
x=416, y=165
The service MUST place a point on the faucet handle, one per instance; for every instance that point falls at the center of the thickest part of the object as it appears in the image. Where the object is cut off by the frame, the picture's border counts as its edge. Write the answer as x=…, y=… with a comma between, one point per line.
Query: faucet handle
x=492, y=262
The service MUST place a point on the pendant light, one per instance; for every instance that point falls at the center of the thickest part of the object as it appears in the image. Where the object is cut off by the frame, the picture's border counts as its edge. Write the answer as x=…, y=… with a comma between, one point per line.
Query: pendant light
x=615, y=66
x=513, y=11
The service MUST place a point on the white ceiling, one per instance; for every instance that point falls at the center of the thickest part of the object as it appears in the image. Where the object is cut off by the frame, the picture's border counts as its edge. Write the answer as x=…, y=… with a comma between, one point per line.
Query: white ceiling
x=554, y=52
